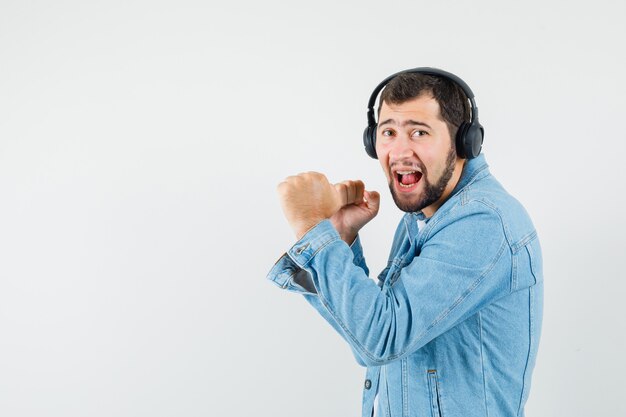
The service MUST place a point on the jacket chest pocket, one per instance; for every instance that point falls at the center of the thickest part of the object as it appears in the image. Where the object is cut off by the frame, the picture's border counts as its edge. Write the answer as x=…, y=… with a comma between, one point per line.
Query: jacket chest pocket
x=402, y=258
x=435, y=394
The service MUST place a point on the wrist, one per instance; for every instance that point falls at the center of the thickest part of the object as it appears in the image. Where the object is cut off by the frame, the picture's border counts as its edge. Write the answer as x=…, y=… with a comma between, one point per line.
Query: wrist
x=348, y=236
x=304, y=228
x=349, y=239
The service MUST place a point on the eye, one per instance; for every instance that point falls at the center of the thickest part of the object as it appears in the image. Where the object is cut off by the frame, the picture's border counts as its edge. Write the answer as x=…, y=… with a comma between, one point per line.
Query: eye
x=387, y=133
x=418, y=133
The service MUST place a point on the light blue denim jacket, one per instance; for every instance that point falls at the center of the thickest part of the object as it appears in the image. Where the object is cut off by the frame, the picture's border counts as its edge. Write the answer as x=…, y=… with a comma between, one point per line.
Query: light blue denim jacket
x=452, y=327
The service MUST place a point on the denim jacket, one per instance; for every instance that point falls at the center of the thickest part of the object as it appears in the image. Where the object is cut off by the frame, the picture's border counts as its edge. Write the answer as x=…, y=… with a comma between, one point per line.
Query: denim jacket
x=452, y=325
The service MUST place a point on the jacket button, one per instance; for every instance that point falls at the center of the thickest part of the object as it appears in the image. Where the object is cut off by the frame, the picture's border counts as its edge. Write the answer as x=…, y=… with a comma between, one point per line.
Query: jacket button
x=368, y=384
x=301, y=249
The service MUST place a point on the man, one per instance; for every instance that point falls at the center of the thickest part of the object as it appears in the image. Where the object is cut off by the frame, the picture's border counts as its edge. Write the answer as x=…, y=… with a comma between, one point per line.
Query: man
x=452, y=326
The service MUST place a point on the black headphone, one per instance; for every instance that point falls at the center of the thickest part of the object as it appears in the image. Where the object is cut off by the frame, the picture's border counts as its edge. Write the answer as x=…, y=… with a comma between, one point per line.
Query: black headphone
x=469, y=137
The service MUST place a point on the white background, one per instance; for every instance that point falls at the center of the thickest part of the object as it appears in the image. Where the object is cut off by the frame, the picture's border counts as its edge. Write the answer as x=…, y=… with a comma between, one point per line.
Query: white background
x=140, y=146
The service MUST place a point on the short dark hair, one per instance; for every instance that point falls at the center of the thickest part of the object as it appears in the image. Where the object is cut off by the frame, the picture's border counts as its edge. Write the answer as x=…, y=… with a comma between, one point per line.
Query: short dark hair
x=453, y=103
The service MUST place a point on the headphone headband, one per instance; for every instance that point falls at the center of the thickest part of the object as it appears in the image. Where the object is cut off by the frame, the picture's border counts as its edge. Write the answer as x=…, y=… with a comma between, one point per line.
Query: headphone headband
x=371, y=120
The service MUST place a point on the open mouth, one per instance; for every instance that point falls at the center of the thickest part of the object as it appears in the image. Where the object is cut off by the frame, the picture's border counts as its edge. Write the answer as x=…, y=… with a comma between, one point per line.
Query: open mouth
x=408, y=179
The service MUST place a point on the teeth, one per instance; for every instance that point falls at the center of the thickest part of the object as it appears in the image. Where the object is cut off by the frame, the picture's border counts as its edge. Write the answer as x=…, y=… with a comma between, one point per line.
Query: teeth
x=406, y=186
x=405, y=172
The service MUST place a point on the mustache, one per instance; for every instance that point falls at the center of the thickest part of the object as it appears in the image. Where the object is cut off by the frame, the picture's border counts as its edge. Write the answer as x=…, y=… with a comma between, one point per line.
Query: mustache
x=414, y=165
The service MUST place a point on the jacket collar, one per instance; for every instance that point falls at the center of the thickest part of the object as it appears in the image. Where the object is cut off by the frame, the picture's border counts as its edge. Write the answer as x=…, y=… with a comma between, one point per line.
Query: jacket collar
x=473, y=169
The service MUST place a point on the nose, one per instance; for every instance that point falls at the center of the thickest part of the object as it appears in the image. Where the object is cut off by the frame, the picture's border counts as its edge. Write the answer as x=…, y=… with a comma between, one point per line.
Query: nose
x=400, y=149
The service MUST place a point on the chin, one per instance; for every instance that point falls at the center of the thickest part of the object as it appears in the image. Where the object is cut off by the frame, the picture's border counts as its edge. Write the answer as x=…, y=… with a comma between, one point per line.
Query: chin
x=409, y=203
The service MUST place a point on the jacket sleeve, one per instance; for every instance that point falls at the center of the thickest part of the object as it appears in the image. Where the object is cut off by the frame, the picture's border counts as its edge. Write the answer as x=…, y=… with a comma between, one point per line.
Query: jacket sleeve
x=288, y=275
x=450, y=279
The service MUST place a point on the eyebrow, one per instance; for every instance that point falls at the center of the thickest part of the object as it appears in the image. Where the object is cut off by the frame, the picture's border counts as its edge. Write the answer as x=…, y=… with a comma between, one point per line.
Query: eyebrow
x=405, y=123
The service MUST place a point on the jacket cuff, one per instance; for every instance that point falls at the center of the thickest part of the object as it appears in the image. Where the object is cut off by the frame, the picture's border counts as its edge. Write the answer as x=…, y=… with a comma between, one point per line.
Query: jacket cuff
x=289, y=273
x=283, y=271
x=312, y=242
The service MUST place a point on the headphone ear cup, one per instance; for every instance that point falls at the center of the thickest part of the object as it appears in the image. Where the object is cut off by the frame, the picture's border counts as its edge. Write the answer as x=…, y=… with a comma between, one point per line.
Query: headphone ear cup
x=469, y=140
x=460, y=140
x=369, y=141
x=473, y=140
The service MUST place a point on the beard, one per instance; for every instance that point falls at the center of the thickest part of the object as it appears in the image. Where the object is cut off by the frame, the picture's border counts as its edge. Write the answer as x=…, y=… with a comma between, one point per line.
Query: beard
x=432, y=192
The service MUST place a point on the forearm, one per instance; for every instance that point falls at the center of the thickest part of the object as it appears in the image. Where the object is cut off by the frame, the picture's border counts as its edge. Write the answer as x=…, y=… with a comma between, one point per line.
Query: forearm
x=335, y=279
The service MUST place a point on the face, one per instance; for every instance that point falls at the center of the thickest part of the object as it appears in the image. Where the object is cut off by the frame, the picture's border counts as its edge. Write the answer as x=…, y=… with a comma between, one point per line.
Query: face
x=416, y=153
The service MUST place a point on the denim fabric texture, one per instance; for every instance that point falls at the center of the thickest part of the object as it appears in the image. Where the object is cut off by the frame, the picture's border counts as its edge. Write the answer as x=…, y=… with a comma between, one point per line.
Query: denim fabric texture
x=452, y=325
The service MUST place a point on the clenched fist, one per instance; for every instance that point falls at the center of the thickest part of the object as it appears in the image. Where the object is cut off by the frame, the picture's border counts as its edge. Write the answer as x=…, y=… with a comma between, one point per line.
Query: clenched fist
x=353, y=216
x=309, y=198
